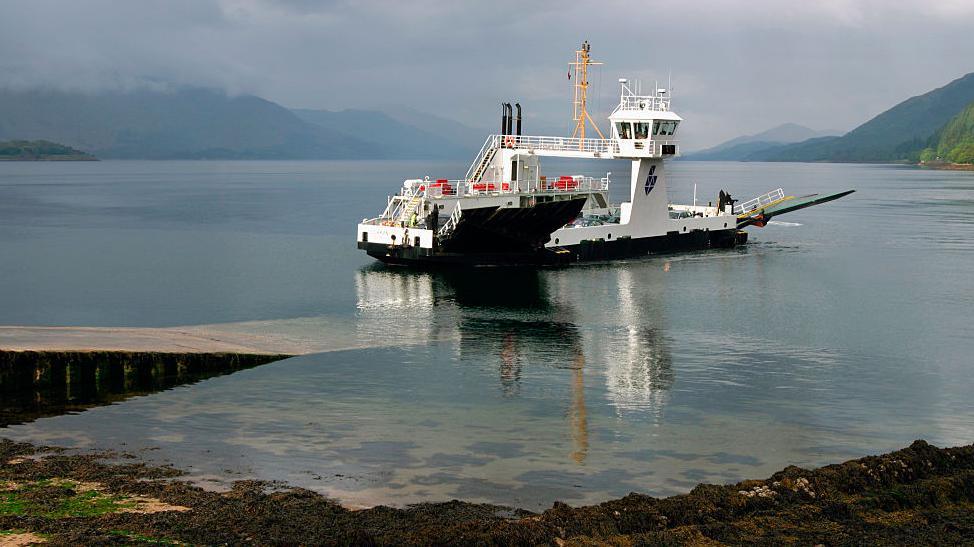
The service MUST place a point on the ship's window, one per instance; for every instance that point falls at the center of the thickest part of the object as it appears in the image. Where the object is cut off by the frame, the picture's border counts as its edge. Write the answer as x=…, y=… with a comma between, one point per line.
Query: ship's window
x=514, y=170
x=365, y=237
x=556, y=241
x=641, y=130
x=665, y=128
x=656, y=127
x=623, y=128
x=416, y=241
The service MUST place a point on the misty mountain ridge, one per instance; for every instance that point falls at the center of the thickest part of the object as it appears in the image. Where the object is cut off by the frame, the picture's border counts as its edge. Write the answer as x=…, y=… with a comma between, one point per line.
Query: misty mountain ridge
x=740, y=147
x=898, y=134
x=389, y=137
x=202, y=123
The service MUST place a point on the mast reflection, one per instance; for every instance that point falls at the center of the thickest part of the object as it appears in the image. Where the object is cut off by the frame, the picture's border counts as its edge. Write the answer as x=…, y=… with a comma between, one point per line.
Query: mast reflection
x=529, y=319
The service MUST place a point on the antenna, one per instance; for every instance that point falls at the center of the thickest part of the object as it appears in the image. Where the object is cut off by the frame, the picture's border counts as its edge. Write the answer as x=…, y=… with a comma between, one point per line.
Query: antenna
x=580, y=113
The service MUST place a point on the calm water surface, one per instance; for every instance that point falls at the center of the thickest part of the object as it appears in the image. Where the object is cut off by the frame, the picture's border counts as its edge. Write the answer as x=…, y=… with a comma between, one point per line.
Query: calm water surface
x=840, y=331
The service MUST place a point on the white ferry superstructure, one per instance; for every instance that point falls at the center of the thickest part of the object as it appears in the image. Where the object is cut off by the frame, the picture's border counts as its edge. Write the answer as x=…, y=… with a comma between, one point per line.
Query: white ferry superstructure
x=506, y=211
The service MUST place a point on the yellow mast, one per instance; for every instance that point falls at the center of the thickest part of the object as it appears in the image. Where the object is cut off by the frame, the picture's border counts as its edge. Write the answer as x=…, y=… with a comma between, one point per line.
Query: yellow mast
x=580, y=103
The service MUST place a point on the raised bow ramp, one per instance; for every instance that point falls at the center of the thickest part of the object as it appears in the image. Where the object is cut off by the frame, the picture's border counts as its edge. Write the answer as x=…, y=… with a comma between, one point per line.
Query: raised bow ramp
x=761, y=214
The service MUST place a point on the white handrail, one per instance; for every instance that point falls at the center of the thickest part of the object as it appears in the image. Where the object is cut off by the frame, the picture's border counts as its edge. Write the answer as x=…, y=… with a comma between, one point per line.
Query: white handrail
x=558, y=144
x=461, y=188
x=760, y=201
x=451, y=222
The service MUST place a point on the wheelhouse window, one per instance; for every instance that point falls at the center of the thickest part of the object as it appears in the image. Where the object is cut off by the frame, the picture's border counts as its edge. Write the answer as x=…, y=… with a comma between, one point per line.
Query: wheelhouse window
x=641, y=130
x=664, y=128
x=624, y=130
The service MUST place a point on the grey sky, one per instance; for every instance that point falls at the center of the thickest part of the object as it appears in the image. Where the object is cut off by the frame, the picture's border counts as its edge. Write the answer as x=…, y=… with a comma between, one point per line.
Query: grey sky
x=738, y=66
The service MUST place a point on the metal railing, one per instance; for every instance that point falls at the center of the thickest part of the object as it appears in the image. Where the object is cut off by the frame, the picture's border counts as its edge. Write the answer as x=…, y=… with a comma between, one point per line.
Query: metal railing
x=400, y=207
x=559, y=144
x=462, y=188
x=644, y=102
x=760, y=201
x=451, y=222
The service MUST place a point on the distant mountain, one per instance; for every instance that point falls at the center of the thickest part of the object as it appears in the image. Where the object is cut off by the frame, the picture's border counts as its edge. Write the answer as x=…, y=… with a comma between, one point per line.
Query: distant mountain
x=954, y=142
x=184, y=123
x=895, y=135
x=40, y=151
x=195, y=123
x=741, y=147
x=389, y=137
x=471, y=139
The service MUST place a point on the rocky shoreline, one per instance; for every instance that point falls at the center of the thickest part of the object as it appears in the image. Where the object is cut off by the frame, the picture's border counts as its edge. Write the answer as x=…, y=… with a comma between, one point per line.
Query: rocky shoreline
x=943, y=166
x=920, y=494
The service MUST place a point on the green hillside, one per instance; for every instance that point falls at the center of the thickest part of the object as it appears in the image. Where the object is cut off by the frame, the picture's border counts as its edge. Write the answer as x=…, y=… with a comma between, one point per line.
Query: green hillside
x=895, y=135
x=955, y=141
x=40, y=151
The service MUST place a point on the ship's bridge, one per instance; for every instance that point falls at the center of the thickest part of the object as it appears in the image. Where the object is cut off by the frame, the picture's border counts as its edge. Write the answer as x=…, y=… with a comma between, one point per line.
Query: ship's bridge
x=643, y=125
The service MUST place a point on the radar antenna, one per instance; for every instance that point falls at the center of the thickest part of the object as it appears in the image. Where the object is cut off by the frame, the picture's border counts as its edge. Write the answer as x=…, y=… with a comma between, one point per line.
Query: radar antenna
x=583, y=60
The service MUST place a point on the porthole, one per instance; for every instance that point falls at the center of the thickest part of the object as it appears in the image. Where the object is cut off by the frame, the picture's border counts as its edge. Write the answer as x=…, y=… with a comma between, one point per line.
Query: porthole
x=556, y=241
x=684, y=228
x=725, y=225
x=609, y=236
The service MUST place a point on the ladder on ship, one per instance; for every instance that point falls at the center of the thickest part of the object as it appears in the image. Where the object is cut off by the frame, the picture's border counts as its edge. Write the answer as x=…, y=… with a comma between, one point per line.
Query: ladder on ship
x=451, y=222
x=483, y=159
x=409, y=207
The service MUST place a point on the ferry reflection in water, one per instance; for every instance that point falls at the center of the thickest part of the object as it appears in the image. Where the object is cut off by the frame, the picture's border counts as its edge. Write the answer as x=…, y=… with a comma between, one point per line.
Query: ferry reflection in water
x=529, y=321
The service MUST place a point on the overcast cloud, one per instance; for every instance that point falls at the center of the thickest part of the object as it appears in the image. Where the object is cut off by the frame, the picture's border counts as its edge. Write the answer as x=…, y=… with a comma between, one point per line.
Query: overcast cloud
x=737, y=66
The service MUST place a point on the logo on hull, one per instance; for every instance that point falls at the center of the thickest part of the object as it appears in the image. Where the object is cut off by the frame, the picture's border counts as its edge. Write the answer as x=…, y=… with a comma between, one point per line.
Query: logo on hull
x=650, y=180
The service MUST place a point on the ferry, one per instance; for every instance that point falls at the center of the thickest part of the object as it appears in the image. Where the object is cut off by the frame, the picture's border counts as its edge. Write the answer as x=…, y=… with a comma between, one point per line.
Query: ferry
x=507, y=211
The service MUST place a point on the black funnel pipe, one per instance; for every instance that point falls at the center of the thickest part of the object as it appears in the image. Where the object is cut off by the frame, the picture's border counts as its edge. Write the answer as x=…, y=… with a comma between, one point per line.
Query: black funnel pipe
x=510, y=119
x=503, y=119
x=518, y=105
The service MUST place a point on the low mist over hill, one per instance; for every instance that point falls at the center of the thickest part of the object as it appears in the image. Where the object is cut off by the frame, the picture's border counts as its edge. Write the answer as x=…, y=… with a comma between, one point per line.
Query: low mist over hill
x=195, y=123
x=741, y=147
x=388, y=137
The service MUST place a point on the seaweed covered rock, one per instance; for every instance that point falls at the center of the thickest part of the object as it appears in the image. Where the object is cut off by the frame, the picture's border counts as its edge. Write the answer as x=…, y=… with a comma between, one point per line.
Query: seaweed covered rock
x=921, y=494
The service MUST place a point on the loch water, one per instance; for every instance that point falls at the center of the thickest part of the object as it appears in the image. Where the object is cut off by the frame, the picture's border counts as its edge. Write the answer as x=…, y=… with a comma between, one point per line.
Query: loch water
x=838, y=331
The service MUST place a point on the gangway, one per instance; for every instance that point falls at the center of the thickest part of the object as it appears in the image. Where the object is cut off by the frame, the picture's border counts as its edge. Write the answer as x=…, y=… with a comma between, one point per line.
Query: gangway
x=760, y=202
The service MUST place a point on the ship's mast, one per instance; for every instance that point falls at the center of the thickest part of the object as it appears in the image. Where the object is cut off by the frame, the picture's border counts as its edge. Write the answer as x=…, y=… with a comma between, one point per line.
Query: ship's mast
x=580, y=114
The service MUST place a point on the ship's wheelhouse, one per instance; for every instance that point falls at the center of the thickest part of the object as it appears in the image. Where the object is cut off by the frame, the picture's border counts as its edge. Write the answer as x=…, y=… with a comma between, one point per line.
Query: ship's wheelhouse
x=645, y=133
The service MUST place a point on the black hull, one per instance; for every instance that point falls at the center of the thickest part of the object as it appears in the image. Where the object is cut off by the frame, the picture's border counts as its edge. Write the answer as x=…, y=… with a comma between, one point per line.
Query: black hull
x=587, y=251
x=510, y=230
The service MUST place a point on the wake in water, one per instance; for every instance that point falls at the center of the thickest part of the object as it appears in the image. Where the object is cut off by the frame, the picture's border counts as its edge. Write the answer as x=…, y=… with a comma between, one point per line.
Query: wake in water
x=781, y=223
